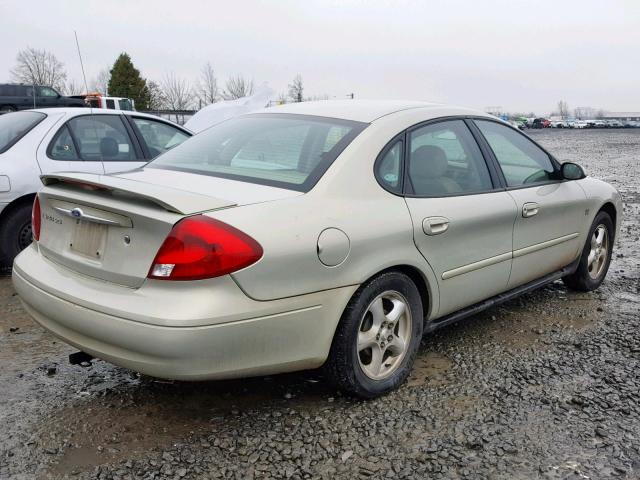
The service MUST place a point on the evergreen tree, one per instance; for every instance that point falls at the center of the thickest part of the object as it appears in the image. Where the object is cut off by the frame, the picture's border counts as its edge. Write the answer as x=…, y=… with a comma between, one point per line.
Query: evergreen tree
x=126, y=82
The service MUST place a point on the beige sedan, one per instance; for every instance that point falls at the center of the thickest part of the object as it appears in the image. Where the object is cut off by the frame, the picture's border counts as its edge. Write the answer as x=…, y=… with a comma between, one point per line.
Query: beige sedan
x=321, y=233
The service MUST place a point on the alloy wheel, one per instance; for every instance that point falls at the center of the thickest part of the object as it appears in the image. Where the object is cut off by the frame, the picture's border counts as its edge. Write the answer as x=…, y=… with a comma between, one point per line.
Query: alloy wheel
x=597, y=258
x=384, y=335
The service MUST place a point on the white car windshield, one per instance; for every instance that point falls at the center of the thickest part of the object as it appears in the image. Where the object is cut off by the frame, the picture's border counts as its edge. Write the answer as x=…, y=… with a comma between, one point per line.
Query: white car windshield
x=14, y=126
x=282, y=150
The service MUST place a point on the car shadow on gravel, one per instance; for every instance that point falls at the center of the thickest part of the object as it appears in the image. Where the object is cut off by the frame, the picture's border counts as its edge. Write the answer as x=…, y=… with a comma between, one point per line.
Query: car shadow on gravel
x=116, y=414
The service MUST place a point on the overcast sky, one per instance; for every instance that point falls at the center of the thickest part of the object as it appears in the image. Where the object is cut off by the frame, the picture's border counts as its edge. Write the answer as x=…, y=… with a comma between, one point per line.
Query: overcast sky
x=520, y=55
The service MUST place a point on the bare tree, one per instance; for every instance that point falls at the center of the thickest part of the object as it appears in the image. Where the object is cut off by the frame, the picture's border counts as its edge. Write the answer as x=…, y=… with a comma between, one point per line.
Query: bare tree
x=207, y=90
x=282, y=99
x=296, y=89
x=237, y=87
x=563, y=109
x=39, y=67
x=101, y=81
x=72, y=88
x=157, y=100
x=177, y=93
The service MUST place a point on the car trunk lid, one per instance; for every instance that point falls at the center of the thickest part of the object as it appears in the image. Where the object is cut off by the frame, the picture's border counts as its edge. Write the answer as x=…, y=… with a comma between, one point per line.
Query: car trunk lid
x=109, y=227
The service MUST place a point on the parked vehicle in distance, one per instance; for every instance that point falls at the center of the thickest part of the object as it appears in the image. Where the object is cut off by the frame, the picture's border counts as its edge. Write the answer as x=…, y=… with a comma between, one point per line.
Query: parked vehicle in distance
x=541, y=123
x=560, y=124
x=97, y=100
x=613, y=124
x=15, y=97
x=37, y=142
x=581, y=124
x=596, y=123
x=251, y=249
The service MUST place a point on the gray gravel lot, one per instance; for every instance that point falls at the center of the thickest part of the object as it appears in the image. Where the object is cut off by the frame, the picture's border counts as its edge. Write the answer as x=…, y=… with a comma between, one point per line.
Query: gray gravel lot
x=546, y=386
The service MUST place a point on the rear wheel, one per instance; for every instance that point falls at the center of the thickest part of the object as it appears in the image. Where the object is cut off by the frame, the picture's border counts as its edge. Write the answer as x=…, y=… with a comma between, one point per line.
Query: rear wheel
x=378, y=337
x=596, y=256
x=15, y=233
x=7, y=109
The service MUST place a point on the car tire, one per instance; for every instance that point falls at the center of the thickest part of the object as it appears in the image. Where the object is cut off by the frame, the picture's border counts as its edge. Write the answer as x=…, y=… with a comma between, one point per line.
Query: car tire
x=15, y=233
x=7, y=109
x=392, y=338
x=596, y=256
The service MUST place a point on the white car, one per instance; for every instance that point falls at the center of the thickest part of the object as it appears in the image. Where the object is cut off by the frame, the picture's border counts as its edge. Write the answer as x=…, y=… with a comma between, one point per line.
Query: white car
x=317, y=233
x=45, y=141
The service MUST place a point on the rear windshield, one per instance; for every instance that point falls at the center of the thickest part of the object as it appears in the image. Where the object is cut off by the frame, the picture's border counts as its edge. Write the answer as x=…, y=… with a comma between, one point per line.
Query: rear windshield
x=280, y=150
x=14, y=126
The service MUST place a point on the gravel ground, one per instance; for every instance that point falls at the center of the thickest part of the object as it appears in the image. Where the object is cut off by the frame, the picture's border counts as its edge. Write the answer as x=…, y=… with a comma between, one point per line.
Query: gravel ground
x=546, y=386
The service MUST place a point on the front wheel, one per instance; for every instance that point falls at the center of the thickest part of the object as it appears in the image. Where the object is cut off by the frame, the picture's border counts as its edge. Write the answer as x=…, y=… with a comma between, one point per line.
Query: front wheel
x=378, y=337
x=596, y=256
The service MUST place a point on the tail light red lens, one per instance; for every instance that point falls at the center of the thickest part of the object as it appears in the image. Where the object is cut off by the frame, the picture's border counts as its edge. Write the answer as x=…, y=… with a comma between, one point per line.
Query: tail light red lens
x=200, y=247
x=36, y=219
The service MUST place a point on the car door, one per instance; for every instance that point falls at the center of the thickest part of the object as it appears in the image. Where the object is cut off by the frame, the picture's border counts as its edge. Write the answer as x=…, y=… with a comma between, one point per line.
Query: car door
x=59, y=151
x=46, y=97
x=462, y=218
x=550, y=211
x=25, y=98
x=156, y=136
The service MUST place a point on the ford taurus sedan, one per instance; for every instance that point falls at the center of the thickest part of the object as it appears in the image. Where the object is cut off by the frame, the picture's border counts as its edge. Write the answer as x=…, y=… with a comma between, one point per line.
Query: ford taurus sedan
x=329, y=233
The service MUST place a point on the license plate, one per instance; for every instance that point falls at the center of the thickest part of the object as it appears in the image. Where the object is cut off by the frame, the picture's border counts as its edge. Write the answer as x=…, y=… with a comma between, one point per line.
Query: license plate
x=88, y=239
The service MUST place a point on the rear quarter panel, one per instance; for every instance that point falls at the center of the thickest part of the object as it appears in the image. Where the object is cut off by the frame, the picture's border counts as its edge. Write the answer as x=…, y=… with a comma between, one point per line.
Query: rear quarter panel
x=348, y=198
x=20, y=164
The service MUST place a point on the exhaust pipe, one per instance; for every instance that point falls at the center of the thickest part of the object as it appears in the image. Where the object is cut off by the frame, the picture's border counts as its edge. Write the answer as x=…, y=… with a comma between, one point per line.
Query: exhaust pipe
x=80, y=357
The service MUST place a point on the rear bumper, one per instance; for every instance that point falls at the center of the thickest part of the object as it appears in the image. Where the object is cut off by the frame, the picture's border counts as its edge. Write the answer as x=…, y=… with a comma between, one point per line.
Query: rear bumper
x=236, y=337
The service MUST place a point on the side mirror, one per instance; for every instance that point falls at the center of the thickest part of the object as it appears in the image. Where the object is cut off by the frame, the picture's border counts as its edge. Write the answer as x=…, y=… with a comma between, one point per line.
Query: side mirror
x=572, y=171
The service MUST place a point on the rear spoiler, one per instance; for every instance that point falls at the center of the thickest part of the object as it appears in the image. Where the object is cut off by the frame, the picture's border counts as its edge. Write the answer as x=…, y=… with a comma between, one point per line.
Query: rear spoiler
x=171, y=199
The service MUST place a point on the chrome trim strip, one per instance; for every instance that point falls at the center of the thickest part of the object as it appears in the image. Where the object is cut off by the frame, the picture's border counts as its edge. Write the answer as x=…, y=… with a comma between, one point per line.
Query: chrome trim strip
x=87, y=217
x=476, y=265
x=487, y=262
x=540, y=246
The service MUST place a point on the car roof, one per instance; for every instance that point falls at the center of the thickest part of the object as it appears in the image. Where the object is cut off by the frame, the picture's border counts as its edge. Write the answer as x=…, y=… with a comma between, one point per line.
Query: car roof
x=366, y=110
x=74, y=111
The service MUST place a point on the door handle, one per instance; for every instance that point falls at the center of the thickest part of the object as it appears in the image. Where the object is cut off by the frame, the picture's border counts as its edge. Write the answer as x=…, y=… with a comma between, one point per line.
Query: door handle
x=435, y=225
x=530, y=209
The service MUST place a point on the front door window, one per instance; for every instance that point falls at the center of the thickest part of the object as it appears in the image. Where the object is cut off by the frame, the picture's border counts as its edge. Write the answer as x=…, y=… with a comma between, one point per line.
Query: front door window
x=522, y=161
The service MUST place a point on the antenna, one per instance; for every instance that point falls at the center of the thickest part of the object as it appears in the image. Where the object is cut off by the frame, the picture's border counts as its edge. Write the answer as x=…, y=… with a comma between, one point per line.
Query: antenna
x=86, y=88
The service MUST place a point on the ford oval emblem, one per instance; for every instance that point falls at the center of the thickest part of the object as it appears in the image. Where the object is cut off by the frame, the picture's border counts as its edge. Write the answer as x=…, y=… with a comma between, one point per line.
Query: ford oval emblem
x=76, y=212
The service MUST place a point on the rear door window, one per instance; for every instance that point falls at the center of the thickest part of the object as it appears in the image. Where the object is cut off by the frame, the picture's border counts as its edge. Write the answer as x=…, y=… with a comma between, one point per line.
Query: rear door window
x=47, y=92
x=14, y=126
x=444, y=159
x=125, y=104
x=102, y=138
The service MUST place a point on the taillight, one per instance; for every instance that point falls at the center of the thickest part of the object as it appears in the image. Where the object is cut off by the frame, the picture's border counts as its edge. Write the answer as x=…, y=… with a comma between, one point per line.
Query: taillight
x=200, y=247
x=36, y=219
